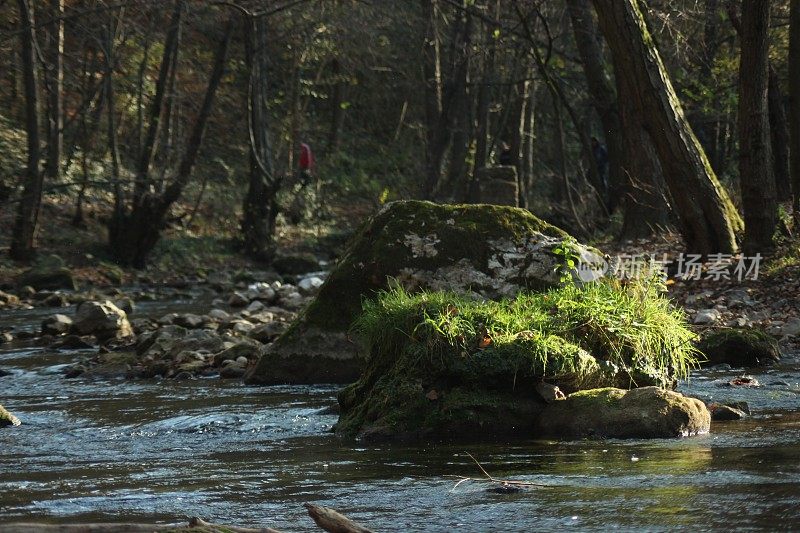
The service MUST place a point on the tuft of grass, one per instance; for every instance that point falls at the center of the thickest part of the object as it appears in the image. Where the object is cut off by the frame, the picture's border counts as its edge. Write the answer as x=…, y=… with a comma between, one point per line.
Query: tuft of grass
x=574, y=330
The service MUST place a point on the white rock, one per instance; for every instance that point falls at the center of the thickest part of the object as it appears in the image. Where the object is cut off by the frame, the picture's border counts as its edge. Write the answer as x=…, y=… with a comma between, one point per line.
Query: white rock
x=267, y=294
x=309, y=285
x=706, y=316
x=243, y=327
x=255, y=307
x=218, y=314
x=104, y=319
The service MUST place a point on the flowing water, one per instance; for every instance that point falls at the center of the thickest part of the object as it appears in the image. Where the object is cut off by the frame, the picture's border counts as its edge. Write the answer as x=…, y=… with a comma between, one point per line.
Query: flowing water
x=163, y=451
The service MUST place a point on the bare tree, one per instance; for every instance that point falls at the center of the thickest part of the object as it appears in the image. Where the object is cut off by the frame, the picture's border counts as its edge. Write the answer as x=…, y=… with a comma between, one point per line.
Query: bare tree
x=755, y=156
x=794, y=96
x=28, y=210
x=134, y=231
x=54, y=75
x=260, y=203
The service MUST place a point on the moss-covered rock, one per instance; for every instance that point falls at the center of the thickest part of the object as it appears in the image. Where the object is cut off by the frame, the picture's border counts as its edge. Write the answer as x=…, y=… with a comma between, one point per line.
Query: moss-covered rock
x=644, y=413
x=7, y=419
x=447, y=366
x=493, y=251
x=49, y=273
x=739, y=347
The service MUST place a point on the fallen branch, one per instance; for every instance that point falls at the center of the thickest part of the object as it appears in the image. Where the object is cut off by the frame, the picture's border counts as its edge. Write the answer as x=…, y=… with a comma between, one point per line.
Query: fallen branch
x=508, y=484
x=333, y=522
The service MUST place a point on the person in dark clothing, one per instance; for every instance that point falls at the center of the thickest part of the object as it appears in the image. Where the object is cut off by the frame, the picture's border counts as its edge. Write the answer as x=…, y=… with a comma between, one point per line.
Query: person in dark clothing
x=505, y=155
x=600, y=155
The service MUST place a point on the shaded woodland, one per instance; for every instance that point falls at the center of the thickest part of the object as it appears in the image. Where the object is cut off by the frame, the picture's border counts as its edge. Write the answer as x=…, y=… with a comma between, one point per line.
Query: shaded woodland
x=621, y=118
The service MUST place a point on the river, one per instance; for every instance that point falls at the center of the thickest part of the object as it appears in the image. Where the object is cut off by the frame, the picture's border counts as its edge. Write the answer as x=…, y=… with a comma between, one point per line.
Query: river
x=163, y=451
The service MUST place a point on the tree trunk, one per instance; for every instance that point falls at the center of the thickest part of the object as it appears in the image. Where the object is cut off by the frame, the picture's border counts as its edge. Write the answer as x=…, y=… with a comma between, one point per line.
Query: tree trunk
x=528, y=137
x=485, y=98
x=164, y=155
x=779, y=137
x=55, y=91
x=553, y=85
x=113, y=145
x=133, y=235
x=89, y=122
x=794, y=99
x=456, y=184
x=755, y=159
x=28, y=209
x=707, y=218
x=643, y=197
x=441, y=97
x=260, y=205
x=143, y=182
x=778, y=127
x=603, y=94
x=337, y=110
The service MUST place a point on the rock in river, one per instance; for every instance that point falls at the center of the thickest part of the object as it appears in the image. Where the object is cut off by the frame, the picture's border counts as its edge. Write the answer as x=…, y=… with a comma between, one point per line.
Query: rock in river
x=446, y=367
x=48, y=273
x=644, y=413
x=7, y=419
x=57, y=324
x=740, y=347
x=493, y=250
x=102, y=319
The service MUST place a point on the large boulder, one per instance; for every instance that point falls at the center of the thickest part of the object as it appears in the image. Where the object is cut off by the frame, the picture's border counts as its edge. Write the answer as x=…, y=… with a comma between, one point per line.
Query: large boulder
x=7, y=419
x=739, y=347
x=448, y=367
x=102, y=319
x=491, y=250
x=644, y=413
x=49, y=273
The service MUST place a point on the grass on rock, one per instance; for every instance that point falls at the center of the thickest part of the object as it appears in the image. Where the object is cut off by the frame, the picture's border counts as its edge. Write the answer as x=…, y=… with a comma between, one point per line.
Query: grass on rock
x=597, y=334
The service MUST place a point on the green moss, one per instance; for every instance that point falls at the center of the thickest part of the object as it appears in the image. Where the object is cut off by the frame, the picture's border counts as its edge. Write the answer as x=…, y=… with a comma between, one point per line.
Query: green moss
x=480, y=355
x=603, y=395
x=339, y=300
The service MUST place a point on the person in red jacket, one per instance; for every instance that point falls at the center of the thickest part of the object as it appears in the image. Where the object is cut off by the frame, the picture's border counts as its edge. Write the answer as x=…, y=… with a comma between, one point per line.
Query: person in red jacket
x=306, y=164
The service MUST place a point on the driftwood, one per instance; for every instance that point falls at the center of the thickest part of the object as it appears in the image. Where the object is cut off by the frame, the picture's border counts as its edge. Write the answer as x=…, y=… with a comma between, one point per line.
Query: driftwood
x=333, y=522
x=195, y=524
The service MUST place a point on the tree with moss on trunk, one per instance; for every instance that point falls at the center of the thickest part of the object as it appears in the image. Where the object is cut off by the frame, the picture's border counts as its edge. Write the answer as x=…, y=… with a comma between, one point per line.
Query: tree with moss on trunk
x=707, y=218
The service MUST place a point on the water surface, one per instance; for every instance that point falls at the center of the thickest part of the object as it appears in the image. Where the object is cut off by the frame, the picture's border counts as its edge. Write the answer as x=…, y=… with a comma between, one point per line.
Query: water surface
x=163, y=451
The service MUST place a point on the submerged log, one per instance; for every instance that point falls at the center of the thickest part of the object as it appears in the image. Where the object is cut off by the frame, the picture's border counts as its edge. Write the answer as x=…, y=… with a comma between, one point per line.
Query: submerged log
x=332, y=521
